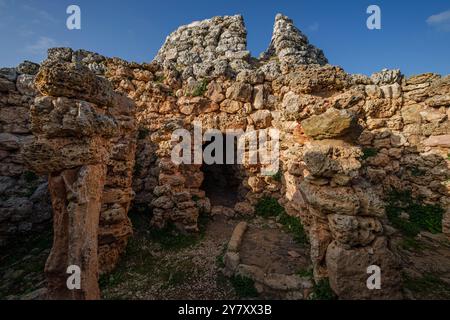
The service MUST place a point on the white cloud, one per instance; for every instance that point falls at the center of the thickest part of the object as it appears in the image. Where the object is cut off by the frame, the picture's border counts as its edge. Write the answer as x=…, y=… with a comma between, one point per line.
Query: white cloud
x=41, y=45
x=441, y=21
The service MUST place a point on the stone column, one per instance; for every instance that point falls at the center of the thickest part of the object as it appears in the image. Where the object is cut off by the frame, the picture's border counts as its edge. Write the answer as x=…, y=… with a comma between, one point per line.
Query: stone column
x=84, y=139
x=76, y=199
x=347, y=235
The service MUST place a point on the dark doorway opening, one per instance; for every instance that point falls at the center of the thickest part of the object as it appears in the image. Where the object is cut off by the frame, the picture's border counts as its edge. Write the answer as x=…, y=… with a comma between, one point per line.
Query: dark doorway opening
x=222, y=182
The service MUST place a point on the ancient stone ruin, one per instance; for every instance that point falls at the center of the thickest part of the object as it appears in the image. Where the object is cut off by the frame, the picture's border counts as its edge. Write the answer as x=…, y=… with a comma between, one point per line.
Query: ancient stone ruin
x=97, y=133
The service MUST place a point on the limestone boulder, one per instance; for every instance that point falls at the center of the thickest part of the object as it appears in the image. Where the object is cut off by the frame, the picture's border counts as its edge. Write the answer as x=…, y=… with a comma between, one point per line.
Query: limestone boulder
x=442, y=141
x=25, y=85
x=351, y=231
x=331, y=124
x=261, y=119
x=348, y=271
x=337, y=200
x=327, y=158
x=240, y=91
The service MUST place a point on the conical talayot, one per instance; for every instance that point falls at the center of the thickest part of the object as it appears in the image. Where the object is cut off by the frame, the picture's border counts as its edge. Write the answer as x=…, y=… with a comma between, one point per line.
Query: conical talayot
x=291, y=46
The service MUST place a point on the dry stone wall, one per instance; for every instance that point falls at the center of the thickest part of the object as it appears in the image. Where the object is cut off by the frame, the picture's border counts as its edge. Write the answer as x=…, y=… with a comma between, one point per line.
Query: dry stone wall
x=25, y=203
x=407, y=137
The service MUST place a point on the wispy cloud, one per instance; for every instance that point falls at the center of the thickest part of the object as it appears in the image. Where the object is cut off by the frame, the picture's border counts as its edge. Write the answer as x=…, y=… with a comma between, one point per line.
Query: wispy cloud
x=41, y=45
x=39, y=14
x=440, y=21
x=24, y=31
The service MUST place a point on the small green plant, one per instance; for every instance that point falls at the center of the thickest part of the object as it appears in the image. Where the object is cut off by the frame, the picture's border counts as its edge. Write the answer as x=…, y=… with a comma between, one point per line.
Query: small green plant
x=220, y=261
x=244, y=287
x=448, y=156
x=421, y=216
x=170, y=238
x=143, y=133
x=200, y=89
x=277, y=176
x=429, y=284
x=268, y=207
x=305, y=273
x=368, y=153
x=409, y=243
x=294, y=226
x=322, y=291
x=30, y=176
x=159, y=79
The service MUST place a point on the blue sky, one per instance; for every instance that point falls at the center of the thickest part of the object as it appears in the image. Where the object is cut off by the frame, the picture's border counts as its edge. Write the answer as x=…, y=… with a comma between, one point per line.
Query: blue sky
x=415, y=35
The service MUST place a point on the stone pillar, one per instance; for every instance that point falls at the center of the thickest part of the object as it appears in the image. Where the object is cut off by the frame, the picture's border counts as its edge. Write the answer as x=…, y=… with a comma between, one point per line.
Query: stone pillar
x=76, y=199
x=347, y=235
x=84, y=138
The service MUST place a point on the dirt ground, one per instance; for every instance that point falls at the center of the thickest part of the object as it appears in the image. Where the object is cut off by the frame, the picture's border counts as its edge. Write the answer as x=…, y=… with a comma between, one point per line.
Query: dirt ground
x=164, y=266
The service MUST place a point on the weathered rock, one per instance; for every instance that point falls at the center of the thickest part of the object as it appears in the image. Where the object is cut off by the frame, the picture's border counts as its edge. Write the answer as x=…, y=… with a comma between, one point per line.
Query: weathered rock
x=351, y=231
x=331, y=124
x=6, y=85
x=386, y=77
x=244, y=208
x=74, y=80
x=348, y=271
x=28, y=67
x=338, y=200
x=261, y=119
x=327, y=158
x=438, y=141
x=76, y=199
x=240, y=92
x=236, y=237
x=219, y=47
x=9, y=74
x=291, y=46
